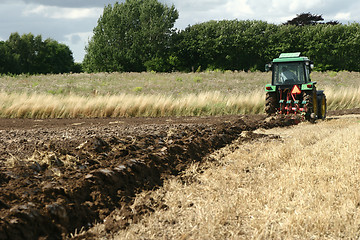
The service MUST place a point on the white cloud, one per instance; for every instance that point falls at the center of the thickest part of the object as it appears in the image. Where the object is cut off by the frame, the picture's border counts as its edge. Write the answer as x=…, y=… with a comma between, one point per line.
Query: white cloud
x=193, y=12
x=304, y=5
x=197, y=6
x=62, y=13
x=295, y=6
x=84, y=37
x=69, y=3
x=343, y=16
x=77, y=43
x=237, y=8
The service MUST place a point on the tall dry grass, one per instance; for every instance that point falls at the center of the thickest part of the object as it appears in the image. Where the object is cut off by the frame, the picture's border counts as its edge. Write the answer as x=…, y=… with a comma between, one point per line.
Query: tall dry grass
x=343, y=98
x=302, y=186
x=155, y=94
x=34, y=105
x=127, y=105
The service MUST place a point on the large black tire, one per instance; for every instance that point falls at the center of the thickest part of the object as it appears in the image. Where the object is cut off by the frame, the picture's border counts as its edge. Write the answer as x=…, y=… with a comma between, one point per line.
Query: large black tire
x=270, y=103
x=311, y=104
x=322, y=107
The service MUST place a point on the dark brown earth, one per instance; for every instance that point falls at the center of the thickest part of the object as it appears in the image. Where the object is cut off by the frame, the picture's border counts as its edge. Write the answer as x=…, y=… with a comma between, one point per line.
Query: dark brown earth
x=59, y=175
x=343, y=112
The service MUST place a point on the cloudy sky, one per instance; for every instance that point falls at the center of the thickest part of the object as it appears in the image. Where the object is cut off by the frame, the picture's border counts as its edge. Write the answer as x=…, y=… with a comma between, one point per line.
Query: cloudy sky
x=72, y=21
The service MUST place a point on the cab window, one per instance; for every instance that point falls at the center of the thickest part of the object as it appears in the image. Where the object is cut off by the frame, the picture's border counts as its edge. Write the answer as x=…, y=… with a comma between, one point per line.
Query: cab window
x=289, y=73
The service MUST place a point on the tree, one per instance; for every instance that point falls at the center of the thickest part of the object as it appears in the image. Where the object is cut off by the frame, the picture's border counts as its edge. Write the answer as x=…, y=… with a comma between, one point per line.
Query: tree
x=57, y=57
x=30, y=54
x=6, y=59
x=226, y=45
x=333, y=23
x=25, y=50
x=130, y=36
x=305, y=19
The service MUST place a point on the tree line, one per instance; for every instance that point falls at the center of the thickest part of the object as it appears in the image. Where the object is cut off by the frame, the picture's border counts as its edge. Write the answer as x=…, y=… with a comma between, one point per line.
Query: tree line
x=248, y=45
x=33, y=55
x=138, y=35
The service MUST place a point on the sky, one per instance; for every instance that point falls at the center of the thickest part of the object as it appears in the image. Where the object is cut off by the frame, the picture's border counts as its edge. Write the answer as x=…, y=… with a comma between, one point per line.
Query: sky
x=72, y=21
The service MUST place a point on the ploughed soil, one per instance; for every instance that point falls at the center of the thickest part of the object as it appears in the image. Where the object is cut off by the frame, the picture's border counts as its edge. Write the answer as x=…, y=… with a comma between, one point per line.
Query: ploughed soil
x=62, y=175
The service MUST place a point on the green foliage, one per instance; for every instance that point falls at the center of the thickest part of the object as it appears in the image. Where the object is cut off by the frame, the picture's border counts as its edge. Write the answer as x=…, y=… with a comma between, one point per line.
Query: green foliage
x=77, y=68
x=30, y=54
x=138, y=35
x=137, y=89
x=132, y=36
x=248, y=45
x=225, y=45
x=156, y=64
x=197, y=79
x=332, y=74
x=334, y=47
x=304, y=19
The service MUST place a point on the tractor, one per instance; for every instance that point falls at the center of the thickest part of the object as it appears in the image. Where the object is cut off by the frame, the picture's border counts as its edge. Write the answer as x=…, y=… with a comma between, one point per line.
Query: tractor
x=291, y=91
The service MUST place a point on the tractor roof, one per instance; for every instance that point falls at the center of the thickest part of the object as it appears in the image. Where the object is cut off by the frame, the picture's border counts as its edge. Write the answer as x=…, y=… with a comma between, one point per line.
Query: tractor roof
x=290, y=57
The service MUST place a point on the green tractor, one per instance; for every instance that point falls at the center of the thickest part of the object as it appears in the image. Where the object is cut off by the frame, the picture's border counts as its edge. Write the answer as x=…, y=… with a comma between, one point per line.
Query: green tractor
x=291, y=91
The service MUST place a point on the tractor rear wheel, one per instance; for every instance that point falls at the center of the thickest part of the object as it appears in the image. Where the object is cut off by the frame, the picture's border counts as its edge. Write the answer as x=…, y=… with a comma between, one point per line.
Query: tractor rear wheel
x=310, y=105
x=322, y=106
x=270, y=103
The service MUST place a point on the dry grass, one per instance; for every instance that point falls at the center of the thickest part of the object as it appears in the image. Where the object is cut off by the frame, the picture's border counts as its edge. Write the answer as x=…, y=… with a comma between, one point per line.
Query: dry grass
x=343, y=98
x=39, y=158
x=23, y=105
x=154, y=94
x=125, y=105
x=304, y=186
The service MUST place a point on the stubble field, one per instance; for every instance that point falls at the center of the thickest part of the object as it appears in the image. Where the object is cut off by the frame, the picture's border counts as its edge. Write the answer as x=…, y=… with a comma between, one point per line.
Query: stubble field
x=177, y=177
x=290, y=183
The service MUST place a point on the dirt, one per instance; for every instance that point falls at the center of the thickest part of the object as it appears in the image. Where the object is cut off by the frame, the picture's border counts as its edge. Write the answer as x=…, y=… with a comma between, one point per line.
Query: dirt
x=62, y=175
x=343, y=112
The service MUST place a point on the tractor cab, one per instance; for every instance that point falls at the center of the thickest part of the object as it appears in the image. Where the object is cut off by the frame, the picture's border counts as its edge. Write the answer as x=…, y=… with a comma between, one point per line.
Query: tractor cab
x=290, y=69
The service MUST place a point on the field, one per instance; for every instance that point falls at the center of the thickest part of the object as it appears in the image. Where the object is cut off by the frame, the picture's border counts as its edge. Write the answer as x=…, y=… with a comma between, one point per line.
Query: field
x=155, y=94
x=293, y=183
x=212, y=176
x=283, y=183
